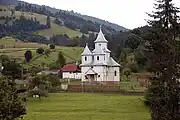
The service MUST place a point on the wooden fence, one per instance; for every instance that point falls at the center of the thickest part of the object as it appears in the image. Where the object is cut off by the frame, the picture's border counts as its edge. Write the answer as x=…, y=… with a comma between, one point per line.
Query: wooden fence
x=102, y=89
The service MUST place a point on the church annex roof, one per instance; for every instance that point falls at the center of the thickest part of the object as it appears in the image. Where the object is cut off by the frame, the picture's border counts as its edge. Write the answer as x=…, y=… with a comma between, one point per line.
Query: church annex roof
x=113, y=63
x=100, y=37
x=86, y=51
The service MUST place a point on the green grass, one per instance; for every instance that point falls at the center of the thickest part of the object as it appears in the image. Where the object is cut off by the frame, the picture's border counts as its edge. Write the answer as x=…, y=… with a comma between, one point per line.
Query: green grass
x=21, y=47
x=79, y=106
x=56, y=29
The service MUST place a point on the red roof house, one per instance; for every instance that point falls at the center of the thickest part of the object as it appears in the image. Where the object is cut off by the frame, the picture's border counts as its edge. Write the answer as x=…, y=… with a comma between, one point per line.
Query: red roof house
x=71, y=71
x=70, y=68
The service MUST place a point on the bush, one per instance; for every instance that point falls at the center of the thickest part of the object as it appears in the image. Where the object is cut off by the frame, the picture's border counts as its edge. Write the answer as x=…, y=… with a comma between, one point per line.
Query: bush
x=2, y=46
x=52, y=46
x=37, y=91
x=127, y=73
x=40, y=51
x=134, y=67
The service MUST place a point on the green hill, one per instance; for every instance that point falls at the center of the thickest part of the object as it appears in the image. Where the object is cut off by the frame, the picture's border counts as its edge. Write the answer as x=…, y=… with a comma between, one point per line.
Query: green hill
x=17, y=49
x=54, y=30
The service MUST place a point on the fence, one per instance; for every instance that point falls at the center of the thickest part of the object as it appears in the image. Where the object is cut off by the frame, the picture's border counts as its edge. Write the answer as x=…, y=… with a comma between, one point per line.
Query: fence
x=102, y=88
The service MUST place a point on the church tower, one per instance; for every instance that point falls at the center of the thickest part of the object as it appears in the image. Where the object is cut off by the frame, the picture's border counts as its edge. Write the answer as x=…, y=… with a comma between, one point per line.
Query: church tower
x=86, y=56
x=102, y=43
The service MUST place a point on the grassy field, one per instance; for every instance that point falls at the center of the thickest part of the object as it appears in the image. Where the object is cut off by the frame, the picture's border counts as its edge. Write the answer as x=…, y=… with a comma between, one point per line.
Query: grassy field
x=55, y=29
x=79, y=106
x=21, y=47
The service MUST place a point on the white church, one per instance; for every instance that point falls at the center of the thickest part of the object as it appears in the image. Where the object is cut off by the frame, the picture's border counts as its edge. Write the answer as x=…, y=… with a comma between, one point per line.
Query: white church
x=98, y=65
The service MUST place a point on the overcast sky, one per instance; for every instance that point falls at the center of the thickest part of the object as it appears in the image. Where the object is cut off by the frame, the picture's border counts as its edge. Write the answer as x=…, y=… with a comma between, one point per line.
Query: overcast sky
x=127, y=13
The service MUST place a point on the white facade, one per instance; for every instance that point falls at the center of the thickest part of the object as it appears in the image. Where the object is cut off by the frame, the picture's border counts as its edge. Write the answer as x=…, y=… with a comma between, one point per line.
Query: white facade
x=71, y=75
x=97, y=65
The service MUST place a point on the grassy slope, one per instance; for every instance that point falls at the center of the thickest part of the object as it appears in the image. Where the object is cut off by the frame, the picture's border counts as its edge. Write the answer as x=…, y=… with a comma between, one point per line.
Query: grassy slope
x=55, y=29
x=20, y=48
x=79, y=106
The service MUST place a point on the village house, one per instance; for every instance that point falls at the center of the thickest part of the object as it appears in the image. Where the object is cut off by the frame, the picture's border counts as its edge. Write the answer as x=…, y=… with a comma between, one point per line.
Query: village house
x=97, y=65
x=71, y=71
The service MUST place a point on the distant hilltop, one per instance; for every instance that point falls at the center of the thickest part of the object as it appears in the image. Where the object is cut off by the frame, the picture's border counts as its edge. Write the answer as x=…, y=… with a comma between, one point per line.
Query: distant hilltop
x=9, y=2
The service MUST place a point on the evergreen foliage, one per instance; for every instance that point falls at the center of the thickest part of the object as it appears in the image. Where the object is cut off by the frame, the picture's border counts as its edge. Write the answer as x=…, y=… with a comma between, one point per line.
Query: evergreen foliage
x=163, y=94
x=11, y=106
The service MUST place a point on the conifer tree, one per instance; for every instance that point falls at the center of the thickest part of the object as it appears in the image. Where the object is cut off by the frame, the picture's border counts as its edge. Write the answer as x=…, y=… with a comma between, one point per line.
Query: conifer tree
x=48, y=22
x=163, y=53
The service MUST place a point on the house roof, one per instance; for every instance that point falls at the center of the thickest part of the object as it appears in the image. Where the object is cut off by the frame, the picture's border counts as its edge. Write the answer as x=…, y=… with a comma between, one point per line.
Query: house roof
x=70, y=68
x=100, y=38
x=86, y=51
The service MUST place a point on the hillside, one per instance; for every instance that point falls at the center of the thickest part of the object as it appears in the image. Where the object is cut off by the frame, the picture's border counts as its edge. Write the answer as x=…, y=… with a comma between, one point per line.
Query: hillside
x=54, y=30
x=84, y=17
x=16, y=50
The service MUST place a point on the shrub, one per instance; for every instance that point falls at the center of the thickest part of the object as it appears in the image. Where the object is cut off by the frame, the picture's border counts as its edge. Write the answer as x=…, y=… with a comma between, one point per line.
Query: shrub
x=2, y=46
x=52, y=46
x=28, y=55
x=40, y=51
x=37, y=91
x=134, y=67
x=127, y=73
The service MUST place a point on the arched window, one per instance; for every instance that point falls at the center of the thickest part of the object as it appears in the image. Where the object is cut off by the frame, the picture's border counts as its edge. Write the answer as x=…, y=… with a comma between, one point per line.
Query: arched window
x=85, y=58
x=115, y=73
x=97, y=57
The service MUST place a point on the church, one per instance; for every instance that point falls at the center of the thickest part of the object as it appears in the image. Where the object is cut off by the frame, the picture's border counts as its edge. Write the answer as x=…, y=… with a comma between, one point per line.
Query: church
x=98, y=66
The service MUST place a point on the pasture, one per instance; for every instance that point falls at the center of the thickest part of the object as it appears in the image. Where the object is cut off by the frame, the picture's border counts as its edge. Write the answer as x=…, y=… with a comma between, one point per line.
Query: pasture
x=17, y=49
x=82, y=106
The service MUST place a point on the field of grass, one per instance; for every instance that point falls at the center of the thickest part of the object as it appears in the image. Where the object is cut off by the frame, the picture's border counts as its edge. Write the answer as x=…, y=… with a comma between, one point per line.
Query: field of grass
x=54, y=30
x=17, y=49
x=82, y=106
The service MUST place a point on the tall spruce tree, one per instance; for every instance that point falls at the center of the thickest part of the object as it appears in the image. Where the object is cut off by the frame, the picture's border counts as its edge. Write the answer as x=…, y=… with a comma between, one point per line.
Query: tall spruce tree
x=163, y=52
x=48, y=22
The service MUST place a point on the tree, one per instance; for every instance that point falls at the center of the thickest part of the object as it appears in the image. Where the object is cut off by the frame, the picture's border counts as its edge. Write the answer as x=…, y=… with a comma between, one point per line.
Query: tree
x=61, y=60
x=52, y=46
x=12, y=69
x=11, y=106
x=28, y=55
x=163, y=53
x=133, y=41
x=48, y=22
x=40, y=51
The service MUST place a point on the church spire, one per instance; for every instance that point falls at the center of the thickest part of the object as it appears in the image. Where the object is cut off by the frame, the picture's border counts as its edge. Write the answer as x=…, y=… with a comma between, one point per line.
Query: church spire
x=86, y=51
x=100, y=38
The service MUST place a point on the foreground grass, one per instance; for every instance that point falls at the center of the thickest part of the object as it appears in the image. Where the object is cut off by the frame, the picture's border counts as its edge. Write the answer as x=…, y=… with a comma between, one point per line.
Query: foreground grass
x=79, y=106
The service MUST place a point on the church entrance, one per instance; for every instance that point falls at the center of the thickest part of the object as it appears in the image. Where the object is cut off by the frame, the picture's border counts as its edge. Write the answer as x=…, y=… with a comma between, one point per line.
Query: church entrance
x=91, y=78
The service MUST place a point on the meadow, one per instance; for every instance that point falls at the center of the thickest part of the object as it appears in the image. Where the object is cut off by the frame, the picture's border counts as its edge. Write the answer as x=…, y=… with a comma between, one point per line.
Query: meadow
x=83, y=106
x=17, y=49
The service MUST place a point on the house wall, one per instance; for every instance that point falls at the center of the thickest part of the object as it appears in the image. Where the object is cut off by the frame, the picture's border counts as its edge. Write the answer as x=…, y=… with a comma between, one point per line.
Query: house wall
x=71, y=75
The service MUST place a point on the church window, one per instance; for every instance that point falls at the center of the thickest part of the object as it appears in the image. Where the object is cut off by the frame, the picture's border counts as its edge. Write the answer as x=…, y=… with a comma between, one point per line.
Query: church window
x=104, y=57
x=97, y=57
x=115, y=73
x=85, y=58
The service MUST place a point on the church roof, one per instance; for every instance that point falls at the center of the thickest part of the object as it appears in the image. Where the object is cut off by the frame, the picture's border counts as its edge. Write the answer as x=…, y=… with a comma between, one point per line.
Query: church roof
x=98, y=51
x=112, y=62
x=86, y=51
x=100, y=37
x=106, y=50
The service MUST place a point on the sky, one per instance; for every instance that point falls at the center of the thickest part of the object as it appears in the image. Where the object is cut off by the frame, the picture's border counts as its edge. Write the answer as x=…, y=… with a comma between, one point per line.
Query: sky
x=127, y=13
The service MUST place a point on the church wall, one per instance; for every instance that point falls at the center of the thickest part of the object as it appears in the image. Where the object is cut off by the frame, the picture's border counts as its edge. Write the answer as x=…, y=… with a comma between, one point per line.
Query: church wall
x=88, y=59
x=111, y=74
x=98, y=69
